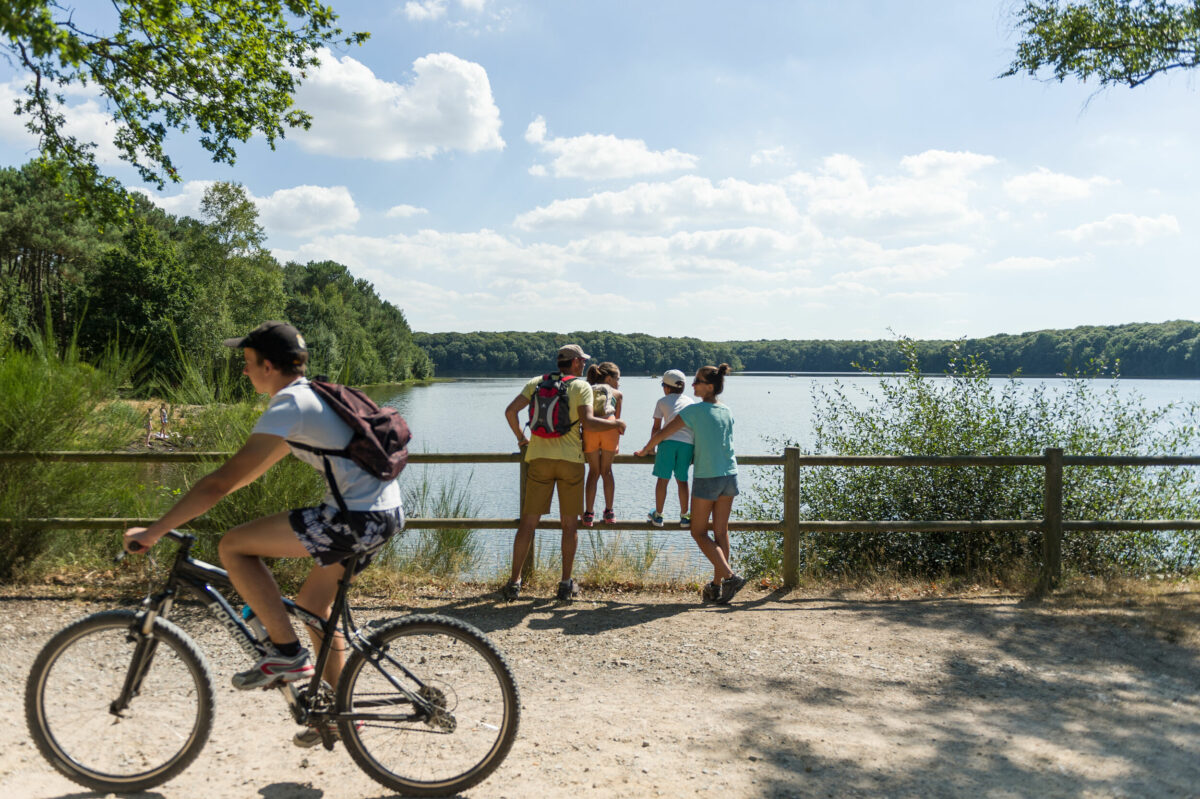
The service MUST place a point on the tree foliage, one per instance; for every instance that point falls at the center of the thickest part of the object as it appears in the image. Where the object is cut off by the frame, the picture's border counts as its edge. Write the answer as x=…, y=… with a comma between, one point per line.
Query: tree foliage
x=227, y=68
x=1114, y=41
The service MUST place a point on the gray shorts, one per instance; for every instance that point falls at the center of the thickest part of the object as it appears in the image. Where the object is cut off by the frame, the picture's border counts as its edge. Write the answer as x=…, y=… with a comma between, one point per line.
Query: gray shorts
x=331, y=539
x=710, y=488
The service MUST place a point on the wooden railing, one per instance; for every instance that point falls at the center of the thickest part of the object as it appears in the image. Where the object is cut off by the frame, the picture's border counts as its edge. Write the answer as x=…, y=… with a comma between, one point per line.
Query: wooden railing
x=1052, y=525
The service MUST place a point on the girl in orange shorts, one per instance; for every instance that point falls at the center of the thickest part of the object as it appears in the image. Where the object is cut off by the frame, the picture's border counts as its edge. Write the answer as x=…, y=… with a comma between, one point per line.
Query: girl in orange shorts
x=599, y=448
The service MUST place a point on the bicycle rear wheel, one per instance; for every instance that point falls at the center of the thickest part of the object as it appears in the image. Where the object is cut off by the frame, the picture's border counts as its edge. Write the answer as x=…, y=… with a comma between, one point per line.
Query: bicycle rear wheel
x=457, y=736
x=71, y=702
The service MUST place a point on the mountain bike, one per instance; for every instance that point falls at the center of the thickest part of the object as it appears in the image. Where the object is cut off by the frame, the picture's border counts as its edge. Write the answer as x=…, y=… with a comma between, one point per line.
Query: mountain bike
x=122, y=700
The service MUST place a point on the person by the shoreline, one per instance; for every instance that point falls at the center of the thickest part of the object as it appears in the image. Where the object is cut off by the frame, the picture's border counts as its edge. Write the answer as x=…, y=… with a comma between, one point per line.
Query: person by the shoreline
x=714, y=481
x=149, y=425
x=673, y=457
x=275, y=361
x=600, y=447
x=555, y=459
x=164, y=417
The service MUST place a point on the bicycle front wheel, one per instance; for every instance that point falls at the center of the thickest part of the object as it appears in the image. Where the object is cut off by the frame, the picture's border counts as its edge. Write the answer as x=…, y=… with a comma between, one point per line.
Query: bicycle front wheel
x=462, y=724
x=115, y=711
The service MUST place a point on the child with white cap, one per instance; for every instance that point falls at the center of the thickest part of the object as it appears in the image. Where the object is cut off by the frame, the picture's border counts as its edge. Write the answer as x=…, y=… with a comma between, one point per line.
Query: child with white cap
x=674, y=455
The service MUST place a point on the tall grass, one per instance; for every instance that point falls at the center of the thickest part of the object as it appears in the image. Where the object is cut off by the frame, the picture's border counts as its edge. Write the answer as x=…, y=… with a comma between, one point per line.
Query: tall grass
x=609, y=559
x=443, y=553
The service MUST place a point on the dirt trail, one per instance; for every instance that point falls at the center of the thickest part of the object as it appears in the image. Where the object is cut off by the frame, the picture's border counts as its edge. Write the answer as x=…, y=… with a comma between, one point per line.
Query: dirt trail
x=779, y=695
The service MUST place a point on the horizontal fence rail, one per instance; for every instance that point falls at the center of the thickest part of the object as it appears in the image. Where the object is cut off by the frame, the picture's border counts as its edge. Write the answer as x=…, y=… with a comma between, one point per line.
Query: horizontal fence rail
x=1052, y=525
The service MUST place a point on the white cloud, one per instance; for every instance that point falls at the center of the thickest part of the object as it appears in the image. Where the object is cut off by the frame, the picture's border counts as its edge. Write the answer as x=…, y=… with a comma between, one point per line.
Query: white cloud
x=1124, y=229
x=1045, y=186
x=85, y=119
x=934, y=189
x=404, y=211
x=425, y=10
x=775, y=156
x=307, y=209
x=600, y=157
x=1032, y=263
x=689, y=200
x=869, y=260
x=447, y=105
x=294, y=211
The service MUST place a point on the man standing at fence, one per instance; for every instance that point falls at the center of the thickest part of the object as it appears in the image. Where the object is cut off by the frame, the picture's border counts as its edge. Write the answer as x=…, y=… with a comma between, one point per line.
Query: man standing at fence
x=555, y=460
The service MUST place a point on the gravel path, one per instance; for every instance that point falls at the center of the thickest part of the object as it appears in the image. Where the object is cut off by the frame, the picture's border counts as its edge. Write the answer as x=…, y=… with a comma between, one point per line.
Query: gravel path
x=636, y=695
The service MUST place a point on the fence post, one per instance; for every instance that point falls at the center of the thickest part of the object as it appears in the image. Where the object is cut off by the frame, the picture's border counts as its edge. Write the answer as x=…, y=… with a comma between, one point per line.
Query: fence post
x=1052, y=522
x=791, y=517
x=527, y=566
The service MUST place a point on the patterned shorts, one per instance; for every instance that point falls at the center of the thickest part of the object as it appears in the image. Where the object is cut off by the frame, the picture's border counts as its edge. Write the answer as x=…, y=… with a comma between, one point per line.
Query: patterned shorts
x=330, y=538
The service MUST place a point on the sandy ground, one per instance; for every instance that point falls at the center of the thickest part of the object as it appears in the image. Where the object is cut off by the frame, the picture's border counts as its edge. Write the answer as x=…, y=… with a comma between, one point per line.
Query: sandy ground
x=779, y=695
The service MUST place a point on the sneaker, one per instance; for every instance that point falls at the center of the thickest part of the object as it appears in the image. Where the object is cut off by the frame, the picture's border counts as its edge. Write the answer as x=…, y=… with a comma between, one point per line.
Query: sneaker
x=311, y=736
x=729, y=586
x=567, y=591
x=589, y=518
x=710, y=592
x=655, y=518
x=685, y=520
x=609, y=516
x=511, y=591
x=273, y=669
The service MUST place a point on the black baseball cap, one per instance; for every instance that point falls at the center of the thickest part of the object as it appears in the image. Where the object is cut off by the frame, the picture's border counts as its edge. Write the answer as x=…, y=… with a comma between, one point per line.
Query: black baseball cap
x=278, y=342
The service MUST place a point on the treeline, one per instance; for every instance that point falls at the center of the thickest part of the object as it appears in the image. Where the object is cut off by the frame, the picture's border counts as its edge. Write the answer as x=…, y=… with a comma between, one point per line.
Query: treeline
x=173, y=287
x=1169, y=349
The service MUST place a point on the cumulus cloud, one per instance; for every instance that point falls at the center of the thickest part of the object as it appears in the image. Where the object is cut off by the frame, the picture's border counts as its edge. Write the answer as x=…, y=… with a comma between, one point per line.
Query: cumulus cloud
x=1045, y=186
x=447, y=105
x=869, y=260
x=1032, y=263
x=1124, y=229
x=405, y=211
x=298, y=210
x=599, y=157
x=933, y=187
x=690, y=200
x=425, y=10
x=774, y=156
x=83, y=115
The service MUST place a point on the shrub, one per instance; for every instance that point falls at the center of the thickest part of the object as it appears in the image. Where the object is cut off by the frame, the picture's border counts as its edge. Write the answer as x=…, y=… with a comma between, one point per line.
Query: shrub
x=967, y=413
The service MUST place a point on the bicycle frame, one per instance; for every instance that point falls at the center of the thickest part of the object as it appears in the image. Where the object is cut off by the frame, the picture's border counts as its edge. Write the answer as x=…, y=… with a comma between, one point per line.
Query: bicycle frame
x=203, y=580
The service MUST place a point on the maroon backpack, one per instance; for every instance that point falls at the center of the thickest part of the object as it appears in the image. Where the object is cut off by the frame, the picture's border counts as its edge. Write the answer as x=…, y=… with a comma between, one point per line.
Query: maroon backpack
x=379, y=443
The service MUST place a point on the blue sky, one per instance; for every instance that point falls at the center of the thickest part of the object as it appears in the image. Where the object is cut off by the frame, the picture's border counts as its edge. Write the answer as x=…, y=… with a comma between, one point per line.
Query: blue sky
x=720, y=170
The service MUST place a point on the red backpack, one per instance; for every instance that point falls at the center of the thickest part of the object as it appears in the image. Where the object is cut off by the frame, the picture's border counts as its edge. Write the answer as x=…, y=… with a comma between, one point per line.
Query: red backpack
x=549, y=409
x=380, y=436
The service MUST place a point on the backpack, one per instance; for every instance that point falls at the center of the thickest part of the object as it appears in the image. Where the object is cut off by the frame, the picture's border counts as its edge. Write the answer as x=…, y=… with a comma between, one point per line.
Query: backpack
x=380, y=436
x=604, y=404
x=549, y=410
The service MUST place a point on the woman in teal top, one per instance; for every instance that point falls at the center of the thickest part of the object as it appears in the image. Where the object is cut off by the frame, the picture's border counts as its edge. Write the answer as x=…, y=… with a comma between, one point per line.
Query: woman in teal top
x=715, y=476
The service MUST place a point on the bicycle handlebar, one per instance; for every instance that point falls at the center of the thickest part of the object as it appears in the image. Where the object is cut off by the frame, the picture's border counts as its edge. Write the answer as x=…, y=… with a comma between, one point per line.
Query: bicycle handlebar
x=136, y=547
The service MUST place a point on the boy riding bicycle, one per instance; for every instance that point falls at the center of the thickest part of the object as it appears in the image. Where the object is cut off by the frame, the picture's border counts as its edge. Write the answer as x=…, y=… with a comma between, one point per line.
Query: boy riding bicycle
x=275, y=361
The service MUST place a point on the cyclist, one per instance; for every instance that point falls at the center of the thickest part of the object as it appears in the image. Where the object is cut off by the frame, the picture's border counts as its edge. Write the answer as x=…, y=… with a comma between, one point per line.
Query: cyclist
x=276, y=358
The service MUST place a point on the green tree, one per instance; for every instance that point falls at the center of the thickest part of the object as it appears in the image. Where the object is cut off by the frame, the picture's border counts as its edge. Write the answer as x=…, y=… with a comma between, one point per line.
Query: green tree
x=1115, y=41
x=227, y=68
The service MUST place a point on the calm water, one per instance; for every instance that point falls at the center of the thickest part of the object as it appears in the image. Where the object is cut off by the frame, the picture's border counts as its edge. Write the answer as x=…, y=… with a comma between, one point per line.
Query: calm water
x=467, y=415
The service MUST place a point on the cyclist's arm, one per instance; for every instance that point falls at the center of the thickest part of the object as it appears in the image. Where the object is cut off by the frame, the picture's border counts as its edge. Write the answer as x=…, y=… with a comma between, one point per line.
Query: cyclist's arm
x=259, y=453
x=519, y=403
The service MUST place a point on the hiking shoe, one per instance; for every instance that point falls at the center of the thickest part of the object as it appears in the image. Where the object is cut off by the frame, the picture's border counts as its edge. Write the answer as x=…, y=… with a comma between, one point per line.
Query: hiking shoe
x=609, y=516
x=710, y=592
x=685, y=520
x=589, y=518
x=311, y=736
x=567, y=591
x=655, y=518
x=729, y=586
x=274, y=669
x=511, y=591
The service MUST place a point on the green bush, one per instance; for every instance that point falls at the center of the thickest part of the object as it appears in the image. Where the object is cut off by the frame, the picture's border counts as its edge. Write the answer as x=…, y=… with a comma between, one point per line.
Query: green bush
x=967, y=413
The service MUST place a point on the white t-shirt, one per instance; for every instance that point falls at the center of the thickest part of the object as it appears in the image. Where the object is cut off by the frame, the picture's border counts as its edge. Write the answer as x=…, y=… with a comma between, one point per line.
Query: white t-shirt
x=667, y=409
x=297, y=414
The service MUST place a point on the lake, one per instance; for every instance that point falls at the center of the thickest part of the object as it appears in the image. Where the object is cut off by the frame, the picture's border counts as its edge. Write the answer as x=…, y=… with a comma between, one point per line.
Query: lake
x=467, y=415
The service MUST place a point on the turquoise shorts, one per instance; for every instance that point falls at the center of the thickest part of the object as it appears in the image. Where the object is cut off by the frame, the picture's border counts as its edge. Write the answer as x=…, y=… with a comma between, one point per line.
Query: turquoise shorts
x=673, y=457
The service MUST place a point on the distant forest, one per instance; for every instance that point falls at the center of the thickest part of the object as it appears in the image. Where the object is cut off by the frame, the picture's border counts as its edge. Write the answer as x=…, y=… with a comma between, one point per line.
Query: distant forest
x=1168, y=349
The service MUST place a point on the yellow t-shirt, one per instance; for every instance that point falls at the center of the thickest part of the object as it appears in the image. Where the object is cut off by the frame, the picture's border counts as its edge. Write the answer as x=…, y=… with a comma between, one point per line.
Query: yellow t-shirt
x=569, y=446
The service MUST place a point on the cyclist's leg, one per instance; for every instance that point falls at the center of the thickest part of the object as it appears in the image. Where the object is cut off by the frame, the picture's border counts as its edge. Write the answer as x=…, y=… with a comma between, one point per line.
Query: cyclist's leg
x=242, y=550
x=317, y=595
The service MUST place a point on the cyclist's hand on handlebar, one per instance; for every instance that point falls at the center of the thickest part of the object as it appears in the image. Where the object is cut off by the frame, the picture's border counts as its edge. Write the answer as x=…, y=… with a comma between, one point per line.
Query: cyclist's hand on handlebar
x=138, y=539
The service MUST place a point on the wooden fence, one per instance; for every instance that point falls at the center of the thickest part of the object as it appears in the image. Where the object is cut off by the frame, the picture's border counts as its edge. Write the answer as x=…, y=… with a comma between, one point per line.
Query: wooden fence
x=1052, y=525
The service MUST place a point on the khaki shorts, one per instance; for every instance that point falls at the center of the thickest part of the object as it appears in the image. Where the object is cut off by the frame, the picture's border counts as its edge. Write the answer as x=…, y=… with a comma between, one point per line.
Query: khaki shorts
x=544, y=475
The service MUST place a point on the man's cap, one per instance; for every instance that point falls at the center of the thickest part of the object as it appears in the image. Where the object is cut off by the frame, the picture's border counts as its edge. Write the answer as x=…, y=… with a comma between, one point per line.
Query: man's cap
x=278, y=342
x=674, y=378
x=572, y=351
